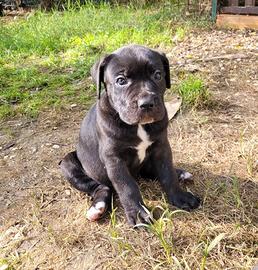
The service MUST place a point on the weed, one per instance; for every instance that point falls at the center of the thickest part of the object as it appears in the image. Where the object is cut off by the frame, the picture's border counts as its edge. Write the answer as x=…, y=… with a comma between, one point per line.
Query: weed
x=164, y=235
x=247, y=148
x=236, y=192
x=193, y=91
x=113, y=221
x=4, y=264
x=209, y=247
x=117, y=239
x=158, y=229
x=180, y=34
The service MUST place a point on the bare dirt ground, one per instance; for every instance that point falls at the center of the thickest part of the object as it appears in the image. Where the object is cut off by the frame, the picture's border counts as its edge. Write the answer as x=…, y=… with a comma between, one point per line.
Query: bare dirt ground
x=43, y=224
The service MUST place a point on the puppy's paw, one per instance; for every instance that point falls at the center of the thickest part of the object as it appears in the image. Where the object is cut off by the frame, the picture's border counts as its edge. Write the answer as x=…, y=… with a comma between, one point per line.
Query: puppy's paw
x=137, y=215
x=96, y=211
x=185, y=200
x=183, y=175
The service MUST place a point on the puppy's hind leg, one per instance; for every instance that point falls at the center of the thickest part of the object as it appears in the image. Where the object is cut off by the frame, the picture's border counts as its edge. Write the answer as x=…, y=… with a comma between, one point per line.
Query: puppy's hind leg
x=183, y=175
x=75, y=174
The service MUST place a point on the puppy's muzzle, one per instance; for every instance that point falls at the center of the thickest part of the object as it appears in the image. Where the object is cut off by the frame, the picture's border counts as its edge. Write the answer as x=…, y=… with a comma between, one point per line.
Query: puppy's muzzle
x=147, y=102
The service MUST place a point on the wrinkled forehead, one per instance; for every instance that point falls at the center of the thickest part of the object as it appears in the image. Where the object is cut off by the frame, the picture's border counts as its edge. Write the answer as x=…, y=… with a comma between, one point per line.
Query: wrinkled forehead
x=131, y=63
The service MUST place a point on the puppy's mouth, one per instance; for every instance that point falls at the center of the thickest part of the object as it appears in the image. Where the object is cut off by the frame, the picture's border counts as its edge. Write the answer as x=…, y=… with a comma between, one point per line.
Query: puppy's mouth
x=144, y=122
x=142, y=117
x=146, y=118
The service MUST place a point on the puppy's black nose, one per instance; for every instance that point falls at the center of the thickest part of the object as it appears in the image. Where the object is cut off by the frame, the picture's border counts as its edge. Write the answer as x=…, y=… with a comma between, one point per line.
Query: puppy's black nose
x=146, y=102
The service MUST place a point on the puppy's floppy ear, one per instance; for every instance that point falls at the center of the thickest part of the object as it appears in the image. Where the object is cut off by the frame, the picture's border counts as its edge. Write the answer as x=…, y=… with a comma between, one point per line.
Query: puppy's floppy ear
x=166, y=69
x=98, y=70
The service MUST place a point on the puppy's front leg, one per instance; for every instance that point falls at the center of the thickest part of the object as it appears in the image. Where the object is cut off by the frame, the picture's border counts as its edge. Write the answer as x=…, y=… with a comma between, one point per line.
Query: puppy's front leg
x=169, y=181
x=128, y=191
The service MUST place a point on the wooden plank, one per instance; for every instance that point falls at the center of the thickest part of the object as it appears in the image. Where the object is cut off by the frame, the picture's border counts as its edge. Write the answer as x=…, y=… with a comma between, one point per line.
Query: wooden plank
x=249, y=3
x=233, y=2
x=240, y=10
x=237, y=21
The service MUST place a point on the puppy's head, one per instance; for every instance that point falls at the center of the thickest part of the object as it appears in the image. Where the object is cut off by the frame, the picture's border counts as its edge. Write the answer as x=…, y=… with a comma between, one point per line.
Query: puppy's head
x=135, y=79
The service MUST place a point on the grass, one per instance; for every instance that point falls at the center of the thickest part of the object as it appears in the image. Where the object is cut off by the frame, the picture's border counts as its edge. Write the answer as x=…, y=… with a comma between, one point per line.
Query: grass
x=45, y=56
x=208, y=248
x=193, y=91
x=247, y=152
x=5, y=265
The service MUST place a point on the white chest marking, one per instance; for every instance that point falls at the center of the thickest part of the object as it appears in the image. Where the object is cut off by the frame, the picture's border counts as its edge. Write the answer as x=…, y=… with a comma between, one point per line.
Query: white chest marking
x=144, y=144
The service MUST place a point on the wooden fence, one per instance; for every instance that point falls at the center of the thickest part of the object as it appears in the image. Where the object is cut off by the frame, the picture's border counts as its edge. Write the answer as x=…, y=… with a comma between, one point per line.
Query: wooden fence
x=246, y=7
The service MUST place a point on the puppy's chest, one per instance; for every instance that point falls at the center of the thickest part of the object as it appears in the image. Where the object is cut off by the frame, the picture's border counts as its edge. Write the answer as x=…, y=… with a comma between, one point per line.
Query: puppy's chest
x=145, y=142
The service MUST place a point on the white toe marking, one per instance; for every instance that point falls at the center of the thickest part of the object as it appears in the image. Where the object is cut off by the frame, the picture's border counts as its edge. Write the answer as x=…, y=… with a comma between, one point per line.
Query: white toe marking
x=142, y=146
x=186, y=175
x=96, y=211
x=100, y=205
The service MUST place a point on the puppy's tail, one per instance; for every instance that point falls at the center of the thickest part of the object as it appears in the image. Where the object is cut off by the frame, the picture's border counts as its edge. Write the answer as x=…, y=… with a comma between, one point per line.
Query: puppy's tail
x=73, y=171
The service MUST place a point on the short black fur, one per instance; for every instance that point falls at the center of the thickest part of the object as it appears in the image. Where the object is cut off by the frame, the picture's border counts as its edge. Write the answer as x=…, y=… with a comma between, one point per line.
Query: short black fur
x=106, y=157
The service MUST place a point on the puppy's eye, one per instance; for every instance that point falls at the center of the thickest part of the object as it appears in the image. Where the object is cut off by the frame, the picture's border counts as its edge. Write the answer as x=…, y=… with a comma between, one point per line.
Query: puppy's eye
x=121, y=81
x=157, y=75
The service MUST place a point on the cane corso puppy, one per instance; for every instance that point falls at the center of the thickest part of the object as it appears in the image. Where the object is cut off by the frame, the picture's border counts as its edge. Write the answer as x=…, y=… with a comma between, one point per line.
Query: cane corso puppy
x=124, y=136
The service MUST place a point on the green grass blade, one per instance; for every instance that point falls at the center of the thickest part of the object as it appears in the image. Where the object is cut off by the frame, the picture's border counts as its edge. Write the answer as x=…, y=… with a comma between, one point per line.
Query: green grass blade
x=215, y=242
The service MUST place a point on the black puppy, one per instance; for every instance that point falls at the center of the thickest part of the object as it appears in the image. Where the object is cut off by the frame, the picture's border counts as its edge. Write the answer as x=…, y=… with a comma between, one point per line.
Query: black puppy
x=124, y=135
